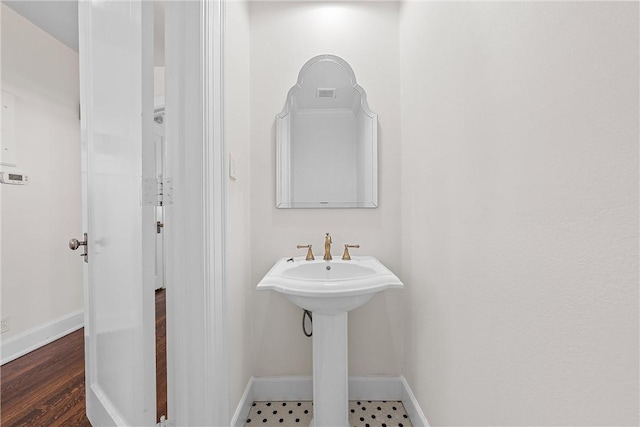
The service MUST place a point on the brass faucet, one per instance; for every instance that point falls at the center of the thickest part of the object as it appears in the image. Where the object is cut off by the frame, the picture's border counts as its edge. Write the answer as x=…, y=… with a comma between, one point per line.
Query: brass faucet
x=327, y=248
x=346, y=256
x=309, y=256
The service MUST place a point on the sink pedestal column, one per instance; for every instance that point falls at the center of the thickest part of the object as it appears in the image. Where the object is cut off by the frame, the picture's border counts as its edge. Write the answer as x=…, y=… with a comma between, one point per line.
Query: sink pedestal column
x=330, y=370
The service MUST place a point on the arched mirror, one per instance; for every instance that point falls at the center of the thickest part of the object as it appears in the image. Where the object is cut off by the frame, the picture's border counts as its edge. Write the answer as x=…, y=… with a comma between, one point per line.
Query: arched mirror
x=327, y=140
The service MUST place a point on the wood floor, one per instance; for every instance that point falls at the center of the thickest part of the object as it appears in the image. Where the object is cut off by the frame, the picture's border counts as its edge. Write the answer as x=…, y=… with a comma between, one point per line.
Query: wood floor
x=46, y=387
x=161, y=353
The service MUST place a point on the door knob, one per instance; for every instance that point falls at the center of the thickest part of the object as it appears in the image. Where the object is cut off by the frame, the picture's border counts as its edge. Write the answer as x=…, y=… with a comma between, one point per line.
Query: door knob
x=75, y=244
x=159, y=226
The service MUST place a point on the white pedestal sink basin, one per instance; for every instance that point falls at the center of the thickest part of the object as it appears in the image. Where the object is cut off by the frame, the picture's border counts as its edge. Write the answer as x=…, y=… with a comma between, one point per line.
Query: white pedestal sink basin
x=330, y=289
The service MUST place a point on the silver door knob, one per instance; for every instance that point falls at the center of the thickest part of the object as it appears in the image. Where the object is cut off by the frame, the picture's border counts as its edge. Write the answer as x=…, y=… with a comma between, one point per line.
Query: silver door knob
x=75, y=244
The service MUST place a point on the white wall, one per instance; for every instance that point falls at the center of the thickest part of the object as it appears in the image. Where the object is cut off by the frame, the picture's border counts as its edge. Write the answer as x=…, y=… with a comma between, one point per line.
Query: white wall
x=41, y=277
x=238, y=198
x=520, y=211
x=284, y=36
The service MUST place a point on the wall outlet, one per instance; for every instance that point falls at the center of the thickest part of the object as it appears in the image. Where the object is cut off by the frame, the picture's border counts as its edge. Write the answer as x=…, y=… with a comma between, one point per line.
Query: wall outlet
x=5, y=324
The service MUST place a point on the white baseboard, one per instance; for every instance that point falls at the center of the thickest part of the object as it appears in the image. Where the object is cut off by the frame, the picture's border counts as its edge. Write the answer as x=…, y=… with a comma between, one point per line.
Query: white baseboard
x=34, y=338
x=301, y=388
x=244, y=406
x=411, y=405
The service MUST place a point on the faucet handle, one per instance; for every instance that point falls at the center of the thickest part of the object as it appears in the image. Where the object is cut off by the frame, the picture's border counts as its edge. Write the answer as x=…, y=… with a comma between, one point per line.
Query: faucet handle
x=345, y=255
x=309, y=253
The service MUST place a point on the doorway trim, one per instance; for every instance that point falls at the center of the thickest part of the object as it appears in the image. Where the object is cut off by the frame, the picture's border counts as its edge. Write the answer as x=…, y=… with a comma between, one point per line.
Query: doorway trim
x=196, y=272
x=215, y=182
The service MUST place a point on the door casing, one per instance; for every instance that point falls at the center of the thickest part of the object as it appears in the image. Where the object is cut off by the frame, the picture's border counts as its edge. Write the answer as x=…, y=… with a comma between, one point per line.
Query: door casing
x=195, y=236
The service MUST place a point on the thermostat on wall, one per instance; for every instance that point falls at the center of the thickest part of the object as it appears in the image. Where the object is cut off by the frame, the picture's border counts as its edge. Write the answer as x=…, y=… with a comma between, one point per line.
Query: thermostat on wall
x=17, y=178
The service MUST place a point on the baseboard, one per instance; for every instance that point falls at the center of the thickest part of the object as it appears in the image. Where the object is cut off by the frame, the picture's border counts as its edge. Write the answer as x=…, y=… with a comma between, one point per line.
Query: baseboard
x=244, y=406
x=282, y=388
x=31, y=339
x=411, y=405
x=301, y=388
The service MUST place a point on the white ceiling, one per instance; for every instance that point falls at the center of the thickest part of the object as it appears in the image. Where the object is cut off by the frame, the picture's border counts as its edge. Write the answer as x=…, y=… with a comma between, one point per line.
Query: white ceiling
x=59, y=18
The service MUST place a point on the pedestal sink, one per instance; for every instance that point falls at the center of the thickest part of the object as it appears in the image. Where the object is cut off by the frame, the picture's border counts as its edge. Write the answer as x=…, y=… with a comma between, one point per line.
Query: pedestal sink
x=330, y=289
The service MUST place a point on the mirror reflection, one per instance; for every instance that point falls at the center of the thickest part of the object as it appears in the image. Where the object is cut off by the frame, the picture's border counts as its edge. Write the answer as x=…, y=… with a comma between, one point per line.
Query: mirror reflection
x=326, y=140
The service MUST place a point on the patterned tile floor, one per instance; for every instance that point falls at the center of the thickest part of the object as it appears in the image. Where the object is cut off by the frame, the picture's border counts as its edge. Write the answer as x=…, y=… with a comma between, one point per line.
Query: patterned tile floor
x=362, y=413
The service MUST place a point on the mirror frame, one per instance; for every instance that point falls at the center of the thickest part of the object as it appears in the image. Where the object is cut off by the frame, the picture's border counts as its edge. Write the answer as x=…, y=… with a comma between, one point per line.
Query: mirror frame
x=283, y=143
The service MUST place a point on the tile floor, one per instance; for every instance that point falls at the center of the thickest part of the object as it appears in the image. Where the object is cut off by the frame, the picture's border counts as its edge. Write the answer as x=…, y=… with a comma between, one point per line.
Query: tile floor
x=362, y=413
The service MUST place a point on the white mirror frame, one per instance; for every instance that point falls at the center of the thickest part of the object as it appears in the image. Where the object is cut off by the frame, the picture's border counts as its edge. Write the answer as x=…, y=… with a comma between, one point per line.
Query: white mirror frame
x=284, y=141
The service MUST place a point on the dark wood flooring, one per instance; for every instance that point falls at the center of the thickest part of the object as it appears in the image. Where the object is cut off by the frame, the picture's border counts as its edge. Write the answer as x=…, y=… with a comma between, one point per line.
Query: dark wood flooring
x=161, y=353
x=46, y=387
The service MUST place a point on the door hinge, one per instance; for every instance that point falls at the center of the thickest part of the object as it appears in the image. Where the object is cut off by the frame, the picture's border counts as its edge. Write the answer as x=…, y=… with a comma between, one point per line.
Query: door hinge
x=157, y=191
